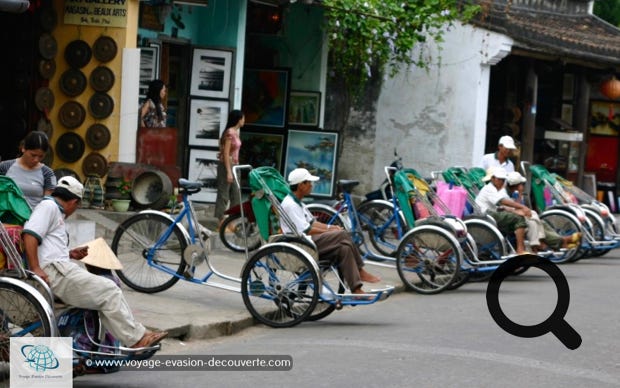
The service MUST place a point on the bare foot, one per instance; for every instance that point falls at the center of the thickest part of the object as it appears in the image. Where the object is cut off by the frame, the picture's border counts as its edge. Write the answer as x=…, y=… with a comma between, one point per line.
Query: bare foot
x=571, y=242
x=368, y=277
x=360, y=292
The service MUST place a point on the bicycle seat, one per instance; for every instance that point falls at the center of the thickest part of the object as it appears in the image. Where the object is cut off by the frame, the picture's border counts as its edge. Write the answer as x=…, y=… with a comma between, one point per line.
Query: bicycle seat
x=347, y=185
x=189, y=186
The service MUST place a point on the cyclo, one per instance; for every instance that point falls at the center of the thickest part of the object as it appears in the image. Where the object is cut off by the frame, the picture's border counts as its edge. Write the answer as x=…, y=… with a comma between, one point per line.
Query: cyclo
x=427, y=254
x=592, y=219
x=483, y=227
x=281, y=283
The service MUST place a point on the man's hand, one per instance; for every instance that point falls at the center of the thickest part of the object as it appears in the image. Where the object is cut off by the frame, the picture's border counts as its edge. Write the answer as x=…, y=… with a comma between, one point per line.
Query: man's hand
x=40, y=273
x=78, y=253
x=319, y=227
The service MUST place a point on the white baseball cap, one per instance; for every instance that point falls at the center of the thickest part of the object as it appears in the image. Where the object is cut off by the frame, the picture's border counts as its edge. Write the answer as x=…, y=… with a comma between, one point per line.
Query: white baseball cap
x=71, y=185
x=514, y=178
x=497, y=172
x=507, y=142
x=299, y=175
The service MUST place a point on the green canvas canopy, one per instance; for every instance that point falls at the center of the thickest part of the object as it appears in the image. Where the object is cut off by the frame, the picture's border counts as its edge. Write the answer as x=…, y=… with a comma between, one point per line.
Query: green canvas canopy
x=460, y=177
x=14, y=209
x=404, y=190
x=540, y=178
x=266, y=181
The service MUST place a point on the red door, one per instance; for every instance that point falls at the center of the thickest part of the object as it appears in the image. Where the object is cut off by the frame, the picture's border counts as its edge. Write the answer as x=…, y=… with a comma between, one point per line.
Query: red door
x=602, y=157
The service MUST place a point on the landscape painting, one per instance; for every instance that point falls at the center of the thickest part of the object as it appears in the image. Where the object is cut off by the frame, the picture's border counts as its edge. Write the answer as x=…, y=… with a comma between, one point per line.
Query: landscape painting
x=203, y=168
x=316, y=152
x=207, y=122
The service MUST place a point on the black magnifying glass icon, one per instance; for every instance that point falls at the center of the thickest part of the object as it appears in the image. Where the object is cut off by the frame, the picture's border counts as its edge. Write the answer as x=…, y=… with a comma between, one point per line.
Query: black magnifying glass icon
x=555, y=323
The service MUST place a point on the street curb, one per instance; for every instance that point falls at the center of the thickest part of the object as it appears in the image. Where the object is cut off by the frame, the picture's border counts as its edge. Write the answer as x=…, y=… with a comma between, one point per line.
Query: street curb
x=228, y=327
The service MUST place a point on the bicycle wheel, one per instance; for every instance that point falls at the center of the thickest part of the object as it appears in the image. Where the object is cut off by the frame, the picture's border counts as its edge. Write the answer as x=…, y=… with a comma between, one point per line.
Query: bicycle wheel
x=490, y=245
x=140, y=238
x=23, y=313
x=279, y=285
x=565, y=225
x=234, y=230
x=327, y=303
x=326, y=214
x=597, y=231
x=384, y=228
x=428, y=259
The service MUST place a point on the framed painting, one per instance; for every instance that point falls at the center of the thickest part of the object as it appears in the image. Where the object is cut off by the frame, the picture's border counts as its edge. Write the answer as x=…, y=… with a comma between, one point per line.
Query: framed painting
x=265, y=97
x=202, y=167
x=149, y=18
x=211, y=73
x=207, y=121
x=304, y=108
x=604, y=118
x=261, y=149
x=315, y=151
x=149, y=67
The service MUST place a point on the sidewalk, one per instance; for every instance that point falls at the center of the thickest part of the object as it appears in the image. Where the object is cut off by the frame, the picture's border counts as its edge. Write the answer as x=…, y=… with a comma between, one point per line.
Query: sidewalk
x=193, y=311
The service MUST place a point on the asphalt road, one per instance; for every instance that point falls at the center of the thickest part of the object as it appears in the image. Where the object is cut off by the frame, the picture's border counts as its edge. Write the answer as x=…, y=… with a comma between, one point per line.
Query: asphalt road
x=413, y=340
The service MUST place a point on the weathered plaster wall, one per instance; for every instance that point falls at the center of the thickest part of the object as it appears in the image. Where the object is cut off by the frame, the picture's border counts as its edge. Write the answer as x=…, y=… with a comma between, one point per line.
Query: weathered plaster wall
x=434, y=118
x=356, y=124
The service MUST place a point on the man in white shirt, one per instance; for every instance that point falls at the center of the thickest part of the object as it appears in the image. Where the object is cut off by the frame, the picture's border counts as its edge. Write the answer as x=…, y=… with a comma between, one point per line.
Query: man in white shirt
x=332, y=242
x=509, y=215
x=501, y=158
x=46, y=245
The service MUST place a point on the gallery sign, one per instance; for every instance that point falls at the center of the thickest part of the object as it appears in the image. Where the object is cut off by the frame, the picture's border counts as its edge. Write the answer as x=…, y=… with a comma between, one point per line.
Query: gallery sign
x=106, y=13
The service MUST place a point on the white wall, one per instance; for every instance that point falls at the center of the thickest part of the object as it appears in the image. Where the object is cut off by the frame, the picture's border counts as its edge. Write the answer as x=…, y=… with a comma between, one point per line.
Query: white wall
x=129, y=106
x=436, y=118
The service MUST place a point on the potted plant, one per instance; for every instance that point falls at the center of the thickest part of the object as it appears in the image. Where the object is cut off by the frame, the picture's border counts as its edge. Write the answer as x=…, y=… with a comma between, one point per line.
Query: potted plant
x=124, y=188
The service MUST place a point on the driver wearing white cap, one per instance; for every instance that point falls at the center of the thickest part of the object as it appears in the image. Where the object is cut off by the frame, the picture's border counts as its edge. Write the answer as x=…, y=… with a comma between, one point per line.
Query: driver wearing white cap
x=332, y=242
x=46, y=245
x=509, y=215
x=501, y=158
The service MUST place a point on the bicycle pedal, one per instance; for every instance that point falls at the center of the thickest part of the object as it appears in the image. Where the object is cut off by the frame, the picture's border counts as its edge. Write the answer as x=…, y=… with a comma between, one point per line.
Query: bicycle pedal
x=188, y=273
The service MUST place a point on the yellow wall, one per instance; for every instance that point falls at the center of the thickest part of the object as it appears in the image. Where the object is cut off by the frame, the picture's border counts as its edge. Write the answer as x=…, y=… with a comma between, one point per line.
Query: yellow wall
x=64, y=34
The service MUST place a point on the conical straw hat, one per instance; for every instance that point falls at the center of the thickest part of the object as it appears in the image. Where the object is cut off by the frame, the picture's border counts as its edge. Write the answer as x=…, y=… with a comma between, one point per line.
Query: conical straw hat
x=101, y=255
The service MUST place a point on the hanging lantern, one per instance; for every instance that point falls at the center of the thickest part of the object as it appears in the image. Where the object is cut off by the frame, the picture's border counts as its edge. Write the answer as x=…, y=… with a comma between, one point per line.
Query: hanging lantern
x=611, y=88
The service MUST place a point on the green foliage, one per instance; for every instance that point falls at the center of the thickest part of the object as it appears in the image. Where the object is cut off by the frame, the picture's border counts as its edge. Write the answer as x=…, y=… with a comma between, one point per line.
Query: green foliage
x=608, y=10
x=124, y=187
x=380, y=34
